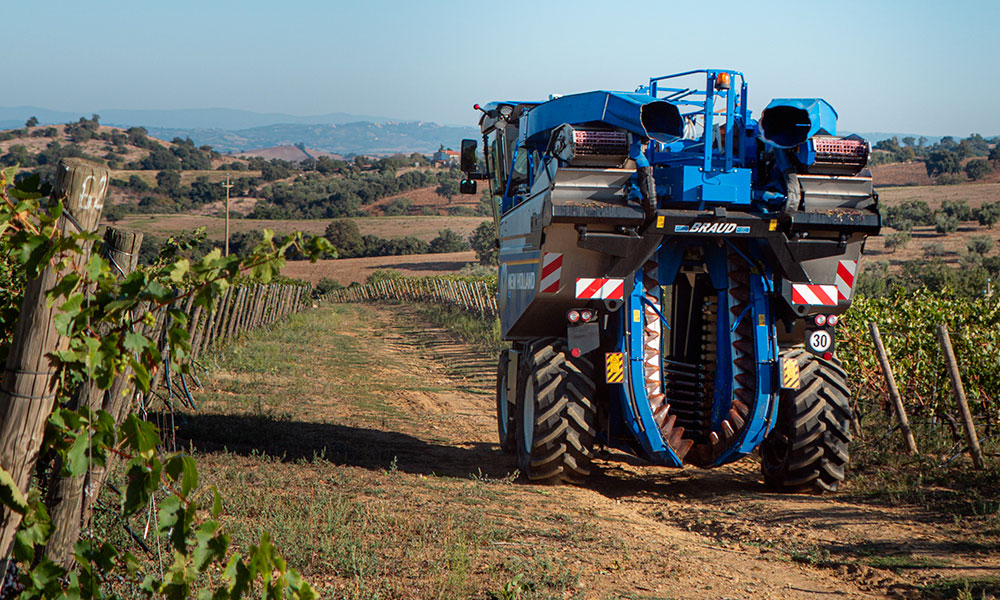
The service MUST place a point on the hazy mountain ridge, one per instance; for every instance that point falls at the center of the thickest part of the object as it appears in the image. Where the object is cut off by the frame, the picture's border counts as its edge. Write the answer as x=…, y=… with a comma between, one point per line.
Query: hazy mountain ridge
x=348, y=138
x=192, y=118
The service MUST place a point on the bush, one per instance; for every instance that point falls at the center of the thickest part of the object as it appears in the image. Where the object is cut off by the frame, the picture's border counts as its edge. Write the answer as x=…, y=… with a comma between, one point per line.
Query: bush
x=325, y=286
x=977, y=169
x=896, y=240
x=944, y=224
x=913, y=211
x=958, y=209
x=447, y=241
x=980, y=244
x=874, y=279
x=398, y=206
x=942, y=161
x=484, y=241
x=933, y=249
x=949, y=179
x=384, y=275
x=988, y=214
x=345, y=237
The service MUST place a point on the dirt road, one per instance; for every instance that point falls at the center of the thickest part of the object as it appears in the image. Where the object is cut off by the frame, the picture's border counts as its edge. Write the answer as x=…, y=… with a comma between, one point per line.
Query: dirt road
x=385, y=423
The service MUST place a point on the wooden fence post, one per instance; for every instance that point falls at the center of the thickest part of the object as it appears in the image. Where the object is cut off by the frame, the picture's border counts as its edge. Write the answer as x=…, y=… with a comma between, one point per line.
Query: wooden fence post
x=963, y=405
x=890, y=381
x=71, y=498
x=27, y=391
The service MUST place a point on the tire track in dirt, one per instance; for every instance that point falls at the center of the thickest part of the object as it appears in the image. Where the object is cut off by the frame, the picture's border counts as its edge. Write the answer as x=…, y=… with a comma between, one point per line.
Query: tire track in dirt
x=696, y=533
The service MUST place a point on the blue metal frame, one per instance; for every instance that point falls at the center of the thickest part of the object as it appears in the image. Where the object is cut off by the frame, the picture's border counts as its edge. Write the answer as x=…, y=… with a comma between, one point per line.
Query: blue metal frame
x=634, y=414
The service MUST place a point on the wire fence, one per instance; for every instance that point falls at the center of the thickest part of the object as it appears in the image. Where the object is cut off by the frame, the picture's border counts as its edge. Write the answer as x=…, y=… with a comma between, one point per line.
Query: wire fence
x=241, y=309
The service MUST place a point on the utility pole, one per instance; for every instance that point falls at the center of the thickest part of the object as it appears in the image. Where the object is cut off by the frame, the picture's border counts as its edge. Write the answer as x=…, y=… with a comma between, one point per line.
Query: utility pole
x=228, y=186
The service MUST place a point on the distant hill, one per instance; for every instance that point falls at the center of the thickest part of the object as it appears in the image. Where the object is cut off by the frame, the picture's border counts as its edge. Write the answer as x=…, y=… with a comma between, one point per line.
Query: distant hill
x=289, y=153
x=234, y=131
x=195, y=118
x=345, y=139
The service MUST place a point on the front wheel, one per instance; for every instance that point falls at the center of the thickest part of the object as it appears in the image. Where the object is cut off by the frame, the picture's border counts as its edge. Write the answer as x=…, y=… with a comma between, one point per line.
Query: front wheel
x=807, y=449
x=556, y=414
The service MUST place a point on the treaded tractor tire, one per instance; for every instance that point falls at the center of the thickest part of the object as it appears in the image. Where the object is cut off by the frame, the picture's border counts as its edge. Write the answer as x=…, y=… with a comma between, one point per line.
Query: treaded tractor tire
x=506, y=421
x=556, y=414
x=807, y=449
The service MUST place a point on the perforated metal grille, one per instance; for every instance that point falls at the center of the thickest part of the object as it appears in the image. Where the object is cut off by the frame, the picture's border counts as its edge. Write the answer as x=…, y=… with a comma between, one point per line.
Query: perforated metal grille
x=590, y=142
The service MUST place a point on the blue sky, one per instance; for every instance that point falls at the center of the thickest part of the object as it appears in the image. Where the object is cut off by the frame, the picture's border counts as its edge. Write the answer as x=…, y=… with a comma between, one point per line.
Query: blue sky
x=916, y=66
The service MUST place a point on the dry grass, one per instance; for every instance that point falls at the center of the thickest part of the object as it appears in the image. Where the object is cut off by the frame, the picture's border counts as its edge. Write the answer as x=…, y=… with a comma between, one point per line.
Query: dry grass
x=362, y=438
x=954, y=244
x=424, y=228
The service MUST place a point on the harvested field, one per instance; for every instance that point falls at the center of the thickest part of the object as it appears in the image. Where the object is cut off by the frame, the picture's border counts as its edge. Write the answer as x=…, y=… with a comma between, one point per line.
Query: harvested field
x=348, y=270
x=421, y=227
x=953, y=244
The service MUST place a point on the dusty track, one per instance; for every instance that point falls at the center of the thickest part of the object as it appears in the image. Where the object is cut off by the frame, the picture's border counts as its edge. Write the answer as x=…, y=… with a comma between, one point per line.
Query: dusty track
x=633, y=531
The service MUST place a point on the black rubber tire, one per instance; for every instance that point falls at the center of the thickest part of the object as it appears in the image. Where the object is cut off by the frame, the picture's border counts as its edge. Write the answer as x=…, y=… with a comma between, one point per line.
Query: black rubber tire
x=807, y=451
x=506, y=409
x=556, y=397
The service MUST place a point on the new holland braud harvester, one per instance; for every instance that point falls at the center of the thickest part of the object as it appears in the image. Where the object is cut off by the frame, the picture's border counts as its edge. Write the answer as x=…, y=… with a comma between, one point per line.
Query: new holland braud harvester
x=672, y=272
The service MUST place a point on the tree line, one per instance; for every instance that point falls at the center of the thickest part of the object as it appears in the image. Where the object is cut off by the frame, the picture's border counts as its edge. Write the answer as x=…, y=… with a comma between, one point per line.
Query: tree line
x=320, y=187
x=946, y=160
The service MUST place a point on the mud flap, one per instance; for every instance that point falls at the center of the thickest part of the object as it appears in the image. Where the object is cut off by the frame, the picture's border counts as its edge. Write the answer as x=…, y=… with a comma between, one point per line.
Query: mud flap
x=583, y=337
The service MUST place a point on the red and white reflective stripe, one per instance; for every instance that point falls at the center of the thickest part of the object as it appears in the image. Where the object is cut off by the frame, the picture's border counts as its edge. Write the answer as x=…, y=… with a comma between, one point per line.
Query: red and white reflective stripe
x=600, y=289
x=551, y=270
x=820, y=295
x=845, y=278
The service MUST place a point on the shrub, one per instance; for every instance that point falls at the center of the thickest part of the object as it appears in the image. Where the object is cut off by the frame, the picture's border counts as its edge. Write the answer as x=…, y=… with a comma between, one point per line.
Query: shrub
x=325, y=286
x=448, y=241
x=988, y=214
x=914, y=211
x=398, y=206
x=933, y=249
x=944, y=224
x=484, y=241
x=977, y=169
x=980, y=244
x=949, y=179
x=896, y=240
x=958, y=209
x=345, y=237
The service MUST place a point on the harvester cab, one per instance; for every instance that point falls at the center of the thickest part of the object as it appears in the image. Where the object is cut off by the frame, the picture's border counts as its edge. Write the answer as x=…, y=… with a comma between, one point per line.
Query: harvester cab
x=671, y=274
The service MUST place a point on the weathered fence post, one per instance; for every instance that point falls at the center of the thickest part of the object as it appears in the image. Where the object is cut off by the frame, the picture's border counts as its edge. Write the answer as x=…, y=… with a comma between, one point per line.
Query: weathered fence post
x=70, y=498
x=890, y=381
x=27, y=391
x=963, y=405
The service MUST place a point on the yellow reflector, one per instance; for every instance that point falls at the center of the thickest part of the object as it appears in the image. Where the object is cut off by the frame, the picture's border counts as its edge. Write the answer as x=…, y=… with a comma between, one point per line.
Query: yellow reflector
x=614, y=367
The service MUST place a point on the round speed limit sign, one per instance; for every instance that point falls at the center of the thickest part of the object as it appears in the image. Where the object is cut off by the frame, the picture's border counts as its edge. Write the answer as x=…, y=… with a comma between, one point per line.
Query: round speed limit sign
x=819, y=340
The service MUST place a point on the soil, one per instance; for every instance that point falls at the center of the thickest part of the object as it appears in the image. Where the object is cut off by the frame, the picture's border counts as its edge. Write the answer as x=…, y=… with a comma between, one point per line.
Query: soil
x=633, y=530
x=348, y=270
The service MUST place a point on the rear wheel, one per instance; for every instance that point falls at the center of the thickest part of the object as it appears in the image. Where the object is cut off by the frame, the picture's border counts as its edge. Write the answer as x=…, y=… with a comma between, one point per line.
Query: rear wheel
x=807, y=449
x=556, y=414
x=505, y=407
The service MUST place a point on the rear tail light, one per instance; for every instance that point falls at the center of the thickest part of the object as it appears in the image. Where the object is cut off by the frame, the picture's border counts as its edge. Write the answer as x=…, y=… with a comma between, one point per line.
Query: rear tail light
x=820, y=320
x=832, y=320
x=586, y=315
x=573, y=316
